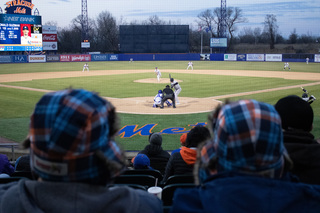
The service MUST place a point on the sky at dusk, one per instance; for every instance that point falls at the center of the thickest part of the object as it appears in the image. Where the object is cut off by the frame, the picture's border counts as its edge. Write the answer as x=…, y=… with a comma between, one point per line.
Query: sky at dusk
x=302, y=15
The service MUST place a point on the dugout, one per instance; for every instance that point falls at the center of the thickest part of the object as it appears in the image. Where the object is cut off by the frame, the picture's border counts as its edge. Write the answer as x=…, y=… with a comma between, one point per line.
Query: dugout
x=154, y=38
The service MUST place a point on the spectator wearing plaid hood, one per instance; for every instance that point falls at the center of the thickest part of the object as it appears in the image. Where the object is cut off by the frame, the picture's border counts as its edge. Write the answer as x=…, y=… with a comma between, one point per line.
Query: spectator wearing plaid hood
x=74, y=157
x=243, y=168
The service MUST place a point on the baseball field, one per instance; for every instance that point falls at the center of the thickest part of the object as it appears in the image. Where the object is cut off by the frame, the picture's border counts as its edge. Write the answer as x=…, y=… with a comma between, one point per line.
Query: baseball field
x=131, y=86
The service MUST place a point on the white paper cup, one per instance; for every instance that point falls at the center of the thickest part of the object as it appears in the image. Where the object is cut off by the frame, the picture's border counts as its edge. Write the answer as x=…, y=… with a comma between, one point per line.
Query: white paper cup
x=155, y=190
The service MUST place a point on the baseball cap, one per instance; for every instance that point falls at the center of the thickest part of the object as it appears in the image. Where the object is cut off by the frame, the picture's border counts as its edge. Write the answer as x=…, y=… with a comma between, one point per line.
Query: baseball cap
x=247, y=138
x=156, y=139
x=25, y=28
x=295, y=113
x=141, y=161
x=70, y=138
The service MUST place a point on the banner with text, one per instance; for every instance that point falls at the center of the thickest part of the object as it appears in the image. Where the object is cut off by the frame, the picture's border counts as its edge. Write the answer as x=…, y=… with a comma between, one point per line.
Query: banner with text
x=37, y=58
x=273, y=57
x=49, y=37
x=255, y=57
x=317, y=58
x=230, y=57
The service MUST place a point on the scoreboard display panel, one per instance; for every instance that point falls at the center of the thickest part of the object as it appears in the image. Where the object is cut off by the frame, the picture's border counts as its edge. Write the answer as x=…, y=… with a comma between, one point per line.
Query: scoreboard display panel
x=20, y=37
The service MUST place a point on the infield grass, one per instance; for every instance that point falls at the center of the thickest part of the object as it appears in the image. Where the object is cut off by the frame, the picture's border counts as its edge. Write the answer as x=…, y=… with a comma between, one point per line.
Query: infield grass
x=16, y=105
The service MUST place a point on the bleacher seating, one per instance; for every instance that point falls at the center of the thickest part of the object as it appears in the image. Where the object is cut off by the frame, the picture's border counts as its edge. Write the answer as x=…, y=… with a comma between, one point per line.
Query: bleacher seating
x=154, y=173
x=144, y=180
x=179, y=179
x=168, y=192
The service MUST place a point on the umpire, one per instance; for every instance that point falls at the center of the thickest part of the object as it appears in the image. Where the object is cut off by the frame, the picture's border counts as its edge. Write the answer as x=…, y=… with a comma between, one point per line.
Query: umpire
x=168, y=94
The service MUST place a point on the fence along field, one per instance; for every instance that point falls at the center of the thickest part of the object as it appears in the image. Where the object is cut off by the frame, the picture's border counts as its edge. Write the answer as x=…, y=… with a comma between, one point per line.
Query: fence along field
x=209, y=79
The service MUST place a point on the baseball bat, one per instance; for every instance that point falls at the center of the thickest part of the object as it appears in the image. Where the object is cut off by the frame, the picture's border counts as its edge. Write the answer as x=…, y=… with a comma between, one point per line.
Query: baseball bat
x=169, y=76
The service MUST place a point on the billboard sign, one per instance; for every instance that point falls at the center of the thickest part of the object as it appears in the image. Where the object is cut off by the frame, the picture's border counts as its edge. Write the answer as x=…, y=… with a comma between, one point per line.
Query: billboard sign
x=80, y=58
x=113, y=58
x=99, y=57
x=37, y=58
x=230, y=57
x=19, y=59
x=19, y=19
x=317, y=58
x=64, y=58
x=218, y=42
x=255, y=57
x=273, y=57
x=52, y=58
x=46, y=29
x=241, y=57
x=5, y=59
x=49, y=46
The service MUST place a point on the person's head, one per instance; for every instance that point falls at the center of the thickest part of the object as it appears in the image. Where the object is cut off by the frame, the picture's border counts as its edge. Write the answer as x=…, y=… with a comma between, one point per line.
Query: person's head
x=171, y=79
x=167, y=86
x=295, y=113
x=197, y=135
x=23, y=164
x=160, y=91
x=183, y=139
x=25, y=31
x=5, y=165
x=141, y=161
x=155, y=139
x=247, y=138
x=71, y=134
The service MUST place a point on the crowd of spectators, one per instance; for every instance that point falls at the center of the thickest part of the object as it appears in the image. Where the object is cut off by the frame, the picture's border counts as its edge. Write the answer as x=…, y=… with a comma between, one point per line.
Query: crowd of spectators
x=252, y=157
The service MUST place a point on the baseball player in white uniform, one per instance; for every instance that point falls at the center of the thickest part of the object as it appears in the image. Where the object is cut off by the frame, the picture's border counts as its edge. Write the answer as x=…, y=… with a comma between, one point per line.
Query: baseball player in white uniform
x=177, y=89
x=158, y=98
x=286, y=64
x=190, y=64
x=85, y=66
x=307, y=60
x=158, y=73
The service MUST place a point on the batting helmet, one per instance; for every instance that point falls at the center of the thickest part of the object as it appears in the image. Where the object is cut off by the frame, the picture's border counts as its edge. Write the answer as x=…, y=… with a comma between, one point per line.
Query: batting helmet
x=171, y=79
x=160, y=91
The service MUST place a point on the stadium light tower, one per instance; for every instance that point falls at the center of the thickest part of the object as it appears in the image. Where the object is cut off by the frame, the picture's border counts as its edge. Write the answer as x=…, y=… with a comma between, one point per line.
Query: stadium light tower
x=84, y=21
x=223, y=22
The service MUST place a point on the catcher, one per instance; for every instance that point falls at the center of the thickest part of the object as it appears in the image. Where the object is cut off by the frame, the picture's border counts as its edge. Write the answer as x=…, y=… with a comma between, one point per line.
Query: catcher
x=158, y=98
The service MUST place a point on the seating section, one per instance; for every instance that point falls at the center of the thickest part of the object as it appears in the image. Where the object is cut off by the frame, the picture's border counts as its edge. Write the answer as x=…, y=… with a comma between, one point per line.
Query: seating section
x=179, y=179
x=168, y=192
x=143, y=180
x=154, y=173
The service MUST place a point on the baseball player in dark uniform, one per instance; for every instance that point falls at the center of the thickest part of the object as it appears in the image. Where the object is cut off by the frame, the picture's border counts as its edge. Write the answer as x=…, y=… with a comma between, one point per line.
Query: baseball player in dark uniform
x=168, y=94
x=177, y=89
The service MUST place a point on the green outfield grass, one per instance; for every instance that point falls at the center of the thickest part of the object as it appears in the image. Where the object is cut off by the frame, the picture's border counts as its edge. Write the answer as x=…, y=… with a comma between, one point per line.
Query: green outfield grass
x=16, y=105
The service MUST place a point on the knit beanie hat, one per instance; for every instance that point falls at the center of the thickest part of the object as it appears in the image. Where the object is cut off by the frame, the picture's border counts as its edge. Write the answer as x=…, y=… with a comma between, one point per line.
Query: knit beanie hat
x=156, y=139
x=183, y=138
x=295, y=113
x=141, y=161
x=247, y=138
x=70, y=141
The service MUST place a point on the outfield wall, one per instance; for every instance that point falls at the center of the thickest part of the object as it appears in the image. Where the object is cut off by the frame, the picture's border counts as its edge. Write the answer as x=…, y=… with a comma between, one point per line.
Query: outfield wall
x=159, y=57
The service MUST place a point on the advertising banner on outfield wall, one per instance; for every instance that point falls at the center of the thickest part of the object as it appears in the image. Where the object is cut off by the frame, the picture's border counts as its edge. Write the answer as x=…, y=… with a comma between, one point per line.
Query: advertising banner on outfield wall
x=99, y=57
x=19, y=59
x=5, y=59
x=53, y=58
x=316, y=58
x=113, y=58
x=37, y=58
x=64, y=58
x=255, y=57
x=230, y=57
x=81, y=57
x=241, y=57
x=273, y=57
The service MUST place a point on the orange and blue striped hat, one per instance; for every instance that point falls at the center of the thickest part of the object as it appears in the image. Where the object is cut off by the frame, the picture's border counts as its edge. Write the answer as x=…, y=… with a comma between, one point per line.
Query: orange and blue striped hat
x=70, y=140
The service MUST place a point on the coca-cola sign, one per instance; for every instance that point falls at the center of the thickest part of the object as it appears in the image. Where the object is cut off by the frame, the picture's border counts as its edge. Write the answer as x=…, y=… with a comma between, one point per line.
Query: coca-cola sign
x=49, y=37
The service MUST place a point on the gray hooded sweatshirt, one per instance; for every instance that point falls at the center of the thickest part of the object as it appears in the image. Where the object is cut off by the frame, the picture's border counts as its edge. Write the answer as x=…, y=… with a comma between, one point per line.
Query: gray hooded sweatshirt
x=59, y=197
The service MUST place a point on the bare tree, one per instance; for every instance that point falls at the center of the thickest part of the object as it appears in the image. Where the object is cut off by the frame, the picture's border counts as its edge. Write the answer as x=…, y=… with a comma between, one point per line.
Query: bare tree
x=234, y=17
x=208, y=20
x=271, y=29
x=107, y=32
x=154, y=20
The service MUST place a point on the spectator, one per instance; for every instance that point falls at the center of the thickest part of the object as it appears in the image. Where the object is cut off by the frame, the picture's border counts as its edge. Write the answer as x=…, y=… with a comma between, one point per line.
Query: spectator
x=6, y=169
x=22, y=164
x=182, y=162
x=297, y=123
x=243, y=168
x=74, y=155
x=183, y=139
x=158, y=157
x=141, y=161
